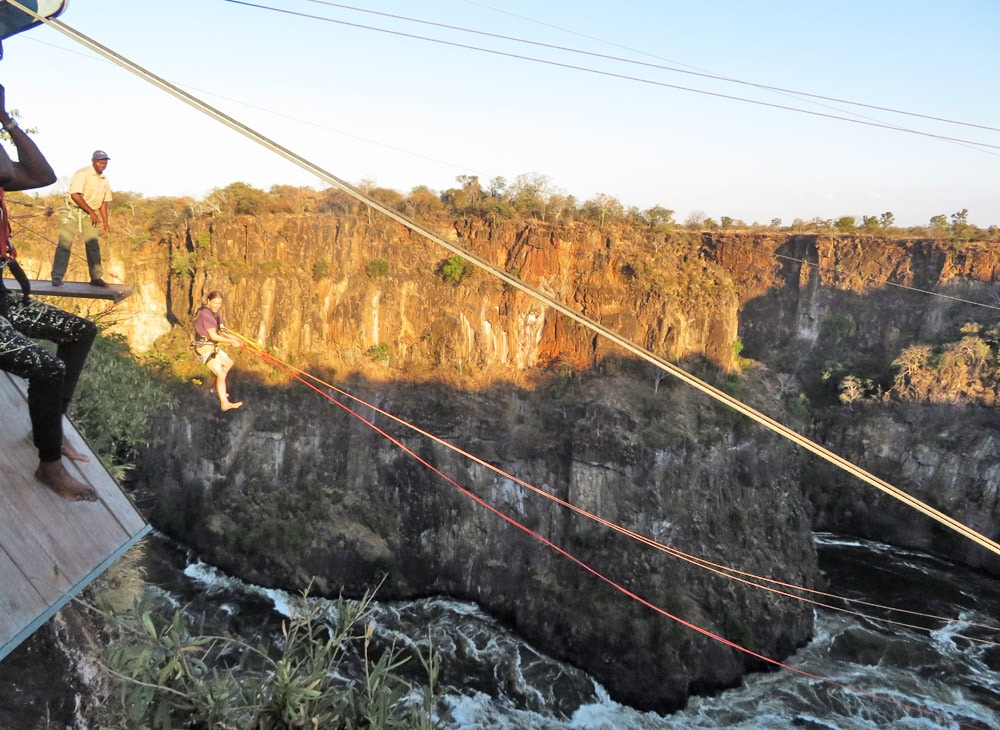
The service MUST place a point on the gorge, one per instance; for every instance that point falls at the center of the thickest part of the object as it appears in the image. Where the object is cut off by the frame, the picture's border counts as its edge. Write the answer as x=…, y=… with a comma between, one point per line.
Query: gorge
x=294, y=492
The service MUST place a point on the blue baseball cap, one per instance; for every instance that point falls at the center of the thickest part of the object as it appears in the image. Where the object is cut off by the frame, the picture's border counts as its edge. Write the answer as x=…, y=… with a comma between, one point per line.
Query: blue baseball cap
x=100, y=155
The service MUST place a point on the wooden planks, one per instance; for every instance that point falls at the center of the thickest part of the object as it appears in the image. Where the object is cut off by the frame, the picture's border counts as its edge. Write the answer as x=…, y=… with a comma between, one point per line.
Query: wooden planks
x=79, y=289
x=50, y=549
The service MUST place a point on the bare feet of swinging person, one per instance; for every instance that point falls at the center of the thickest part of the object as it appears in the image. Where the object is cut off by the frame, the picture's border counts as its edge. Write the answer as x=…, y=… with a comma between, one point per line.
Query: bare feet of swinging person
x=70, y=452
x=230, y=406
x=54, y=476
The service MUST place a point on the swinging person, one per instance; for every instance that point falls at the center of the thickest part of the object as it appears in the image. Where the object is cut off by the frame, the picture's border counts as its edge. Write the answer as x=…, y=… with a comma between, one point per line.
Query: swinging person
x=211, y=335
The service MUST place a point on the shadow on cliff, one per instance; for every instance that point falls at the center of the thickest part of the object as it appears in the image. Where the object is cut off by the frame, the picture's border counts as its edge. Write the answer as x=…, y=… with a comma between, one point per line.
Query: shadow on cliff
x=293, y=491
x=812, y=329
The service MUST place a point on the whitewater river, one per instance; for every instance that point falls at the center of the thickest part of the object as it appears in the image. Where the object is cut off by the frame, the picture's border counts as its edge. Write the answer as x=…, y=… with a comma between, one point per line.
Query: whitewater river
x=879, y=675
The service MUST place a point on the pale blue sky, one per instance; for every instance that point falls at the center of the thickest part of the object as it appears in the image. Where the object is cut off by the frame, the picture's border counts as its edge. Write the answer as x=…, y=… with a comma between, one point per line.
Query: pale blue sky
x=403, y=112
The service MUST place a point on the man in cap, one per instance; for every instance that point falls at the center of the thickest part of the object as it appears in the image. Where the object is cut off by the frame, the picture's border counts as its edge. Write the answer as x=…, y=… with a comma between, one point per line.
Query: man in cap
x=87, y=208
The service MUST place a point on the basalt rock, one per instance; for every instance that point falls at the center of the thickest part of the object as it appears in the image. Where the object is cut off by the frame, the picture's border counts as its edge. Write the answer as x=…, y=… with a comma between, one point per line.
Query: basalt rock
x=295, y=492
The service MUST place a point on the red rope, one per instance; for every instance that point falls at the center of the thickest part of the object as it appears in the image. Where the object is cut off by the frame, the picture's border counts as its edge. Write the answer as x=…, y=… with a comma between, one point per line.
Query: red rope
x=265, y=356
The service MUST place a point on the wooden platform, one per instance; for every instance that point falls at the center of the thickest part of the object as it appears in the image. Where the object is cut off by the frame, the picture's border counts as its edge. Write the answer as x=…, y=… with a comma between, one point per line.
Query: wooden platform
x=114, y=292
x=50, y=549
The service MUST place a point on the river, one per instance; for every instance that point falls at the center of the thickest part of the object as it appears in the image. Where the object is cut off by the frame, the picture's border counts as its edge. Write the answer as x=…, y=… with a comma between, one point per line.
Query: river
x=875, y=675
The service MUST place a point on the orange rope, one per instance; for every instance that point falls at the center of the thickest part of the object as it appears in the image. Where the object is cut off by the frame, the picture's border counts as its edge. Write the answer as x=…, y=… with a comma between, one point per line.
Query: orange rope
x=719, y=569
x=593, y=571
x=304, y=378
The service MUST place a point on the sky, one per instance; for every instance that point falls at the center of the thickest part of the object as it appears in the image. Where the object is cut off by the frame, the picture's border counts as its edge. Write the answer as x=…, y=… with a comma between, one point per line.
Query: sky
x=608, y=99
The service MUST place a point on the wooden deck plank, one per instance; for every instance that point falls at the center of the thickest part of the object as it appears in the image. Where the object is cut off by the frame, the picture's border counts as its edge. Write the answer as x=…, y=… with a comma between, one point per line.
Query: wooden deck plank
x=92, y=472
x=20, y=603
x=78, y=289
x=52, y=521
x=50, y=548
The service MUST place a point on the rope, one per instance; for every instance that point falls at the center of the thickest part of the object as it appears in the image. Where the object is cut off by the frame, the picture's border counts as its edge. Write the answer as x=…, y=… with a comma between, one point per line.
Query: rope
x=514, y=282
x=302, y=378
x=721, y=570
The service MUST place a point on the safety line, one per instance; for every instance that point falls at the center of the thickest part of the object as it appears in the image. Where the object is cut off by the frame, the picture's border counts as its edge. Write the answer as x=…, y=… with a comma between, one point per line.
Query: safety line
x=660, y=67
x=516, y=283
x=264, y=355
x=980, y=146
x=719, y=569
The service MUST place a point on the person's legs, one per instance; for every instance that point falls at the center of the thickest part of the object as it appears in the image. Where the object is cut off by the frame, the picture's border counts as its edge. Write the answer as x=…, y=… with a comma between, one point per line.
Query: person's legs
x=72, y=335
x=44, y=373
x=67, y=230
x=93, y=243
x=220, y=365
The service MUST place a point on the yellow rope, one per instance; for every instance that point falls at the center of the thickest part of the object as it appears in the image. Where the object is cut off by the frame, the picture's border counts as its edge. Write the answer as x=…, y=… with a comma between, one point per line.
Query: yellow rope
x=516, y=283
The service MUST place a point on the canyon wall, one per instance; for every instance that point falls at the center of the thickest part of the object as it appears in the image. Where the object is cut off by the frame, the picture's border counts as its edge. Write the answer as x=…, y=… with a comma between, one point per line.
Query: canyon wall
x=295, y=491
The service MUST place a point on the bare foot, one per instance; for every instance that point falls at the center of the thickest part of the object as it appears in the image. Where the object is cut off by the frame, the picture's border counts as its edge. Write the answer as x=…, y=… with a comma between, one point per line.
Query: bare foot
x=231, y=406
x=70, y=452
x=54, y=476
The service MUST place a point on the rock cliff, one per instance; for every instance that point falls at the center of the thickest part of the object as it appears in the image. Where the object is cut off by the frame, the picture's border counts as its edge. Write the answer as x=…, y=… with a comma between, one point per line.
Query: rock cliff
x=294, y=491
x=814, y=305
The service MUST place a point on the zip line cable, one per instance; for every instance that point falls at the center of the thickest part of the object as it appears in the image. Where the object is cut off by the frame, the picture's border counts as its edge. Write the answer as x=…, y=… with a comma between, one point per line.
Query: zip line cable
x=980, y=146
x=724, y=571
x=533, y=292
x=702, y=74
x=590, y=569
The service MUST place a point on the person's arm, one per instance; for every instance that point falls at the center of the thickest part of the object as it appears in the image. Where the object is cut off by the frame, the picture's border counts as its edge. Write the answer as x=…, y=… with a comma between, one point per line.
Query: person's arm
x=104, y=217
x=78, y=199
x=31, y=170
x=223, y=337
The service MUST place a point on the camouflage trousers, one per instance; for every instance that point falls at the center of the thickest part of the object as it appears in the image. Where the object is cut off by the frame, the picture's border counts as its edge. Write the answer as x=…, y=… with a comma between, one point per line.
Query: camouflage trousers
x=51, y=378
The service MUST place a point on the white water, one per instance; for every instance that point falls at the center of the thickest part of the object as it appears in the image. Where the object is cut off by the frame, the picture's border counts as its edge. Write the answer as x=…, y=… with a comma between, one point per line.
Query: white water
x=878, y=676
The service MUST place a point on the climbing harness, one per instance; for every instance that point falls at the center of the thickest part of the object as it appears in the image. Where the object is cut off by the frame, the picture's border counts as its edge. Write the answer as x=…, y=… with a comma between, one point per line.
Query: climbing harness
x=200, y=341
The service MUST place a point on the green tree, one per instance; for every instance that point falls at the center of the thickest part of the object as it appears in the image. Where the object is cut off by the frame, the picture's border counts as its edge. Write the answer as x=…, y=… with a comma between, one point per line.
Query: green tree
x=939, y=223
x=423, y=203
x=467, y=199
x=529, y=194
x=846, y=224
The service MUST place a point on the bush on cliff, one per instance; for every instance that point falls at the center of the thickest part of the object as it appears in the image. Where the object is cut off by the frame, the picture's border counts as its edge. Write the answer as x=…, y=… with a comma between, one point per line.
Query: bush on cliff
x=113, y=401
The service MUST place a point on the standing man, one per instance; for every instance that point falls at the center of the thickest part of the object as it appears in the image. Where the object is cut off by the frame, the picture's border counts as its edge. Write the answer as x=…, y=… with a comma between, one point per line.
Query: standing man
x=210, y=335
x=89, y=195
x=51, y=378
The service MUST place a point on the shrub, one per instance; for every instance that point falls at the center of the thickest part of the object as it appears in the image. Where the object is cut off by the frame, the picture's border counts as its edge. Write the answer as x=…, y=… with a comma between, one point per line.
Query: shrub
x=165, y=676
x=321, y=269
x=455, y=269
x=380, y=353
x=377, y=269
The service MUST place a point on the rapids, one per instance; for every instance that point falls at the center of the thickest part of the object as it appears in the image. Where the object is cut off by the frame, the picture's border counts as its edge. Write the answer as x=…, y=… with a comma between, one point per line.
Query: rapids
x=877, y=675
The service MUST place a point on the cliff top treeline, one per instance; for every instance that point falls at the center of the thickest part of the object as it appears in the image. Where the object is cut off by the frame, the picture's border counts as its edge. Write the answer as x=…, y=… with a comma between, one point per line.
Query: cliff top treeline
x=534, y=197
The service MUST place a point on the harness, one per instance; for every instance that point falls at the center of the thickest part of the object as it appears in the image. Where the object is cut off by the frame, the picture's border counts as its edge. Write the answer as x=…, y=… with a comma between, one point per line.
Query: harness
x=200, y=341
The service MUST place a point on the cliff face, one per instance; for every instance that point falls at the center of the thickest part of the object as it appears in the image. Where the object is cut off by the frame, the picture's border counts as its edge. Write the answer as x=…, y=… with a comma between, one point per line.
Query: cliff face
x=292, y=491
x=330, y=288
x=813, y=305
